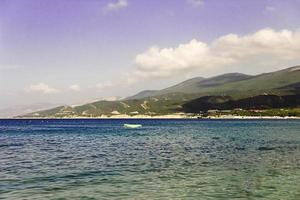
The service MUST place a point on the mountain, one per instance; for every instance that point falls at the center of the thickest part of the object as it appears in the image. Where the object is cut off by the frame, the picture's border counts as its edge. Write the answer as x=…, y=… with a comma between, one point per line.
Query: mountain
x=188, y=86
x=110, y=108
x=197, y=85
x=227, y=103
x=207, y=92
x=142, y=94
x=239, y=85
x=194, y=85
x=278, y=83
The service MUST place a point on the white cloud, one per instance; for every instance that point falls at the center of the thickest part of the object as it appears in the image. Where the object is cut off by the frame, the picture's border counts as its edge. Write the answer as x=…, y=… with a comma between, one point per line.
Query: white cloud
x=116, y=5
x=256, y=49
x=75, y=88
x=196, y=3
x=42, y=88
x=113, y=98
x=105, y=85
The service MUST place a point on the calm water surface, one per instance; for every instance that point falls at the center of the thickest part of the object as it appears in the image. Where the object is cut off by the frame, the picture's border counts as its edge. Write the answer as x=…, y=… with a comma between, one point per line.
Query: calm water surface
x=166, y=159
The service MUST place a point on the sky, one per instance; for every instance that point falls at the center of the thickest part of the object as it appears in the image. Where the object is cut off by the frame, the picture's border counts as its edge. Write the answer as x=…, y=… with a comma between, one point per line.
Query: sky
x=76, y=51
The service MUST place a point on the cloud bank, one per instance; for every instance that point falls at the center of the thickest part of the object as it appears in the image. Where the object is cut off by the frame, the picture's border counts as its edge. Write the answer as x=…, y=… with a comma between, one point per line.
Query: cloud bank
x=104, y=85
x=256, y=49
x=41, y=88
x=75, y=88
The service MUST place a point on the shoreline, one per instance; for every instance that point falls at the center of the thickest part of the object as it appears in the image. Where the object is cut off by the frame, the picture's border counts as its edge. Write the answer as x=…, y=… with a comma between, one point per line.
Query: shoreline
x=225, y=117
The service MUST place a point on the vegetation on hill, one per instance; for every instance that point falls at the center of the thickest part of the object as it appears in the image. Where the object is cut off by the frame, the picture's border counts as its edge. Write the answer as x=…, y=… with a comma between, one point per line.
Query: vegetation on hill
x=142, y=94
x=236, y=85
x=251, y=103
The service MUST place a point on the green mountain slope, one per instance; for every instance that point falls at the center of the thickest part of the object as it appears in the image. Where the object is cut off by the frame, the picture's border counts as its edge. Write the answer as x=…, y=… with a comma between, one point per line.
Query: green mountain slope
x=142, y=94
x=188, y=86
x=256, y=102
x=239, y=85
x=197, y=85
x=271, y=83
x=194, y=85
x=151, y=106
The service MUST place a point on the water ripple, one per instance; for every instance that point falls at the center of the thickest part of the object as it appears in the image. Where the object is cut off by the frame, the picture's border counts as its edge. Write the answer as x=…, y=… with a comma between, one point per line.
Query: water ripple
x=167, y=159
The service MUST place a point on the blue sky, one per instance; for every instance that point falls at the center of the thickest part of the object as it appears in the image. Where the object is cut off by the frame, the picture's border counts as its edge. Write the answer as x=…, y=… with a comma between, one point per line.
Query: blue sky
x=68, y=52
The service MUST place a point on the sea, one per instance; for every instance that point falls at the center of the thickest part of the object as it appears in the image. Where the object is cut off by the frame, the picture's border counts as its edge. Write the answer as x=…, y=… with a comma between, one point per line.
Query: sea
x=165, y=159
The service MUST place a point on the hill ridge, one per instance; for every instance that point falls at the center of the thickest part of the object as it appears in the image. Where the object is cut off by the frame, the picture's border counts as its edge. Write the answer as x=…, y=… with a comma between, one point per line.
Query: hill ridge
x=167, y=101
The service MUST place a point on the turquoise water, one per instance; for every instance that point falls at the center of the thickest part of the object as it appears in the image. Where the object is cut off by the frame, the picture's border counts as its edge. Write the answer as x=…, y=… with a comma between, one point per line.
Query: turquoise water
x=166, y=159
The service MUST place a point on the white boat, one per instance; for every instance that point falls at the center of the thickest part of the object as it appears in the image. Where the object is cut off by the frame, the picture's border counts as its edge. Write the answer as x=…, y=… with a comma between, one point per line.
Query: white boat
x=132, y=125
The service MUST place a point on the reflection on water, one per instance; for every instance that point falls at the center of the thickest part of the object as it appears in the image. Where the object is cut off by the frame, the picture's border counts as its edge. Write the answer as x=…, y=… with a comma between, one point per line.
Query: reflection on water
x=166, y=159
